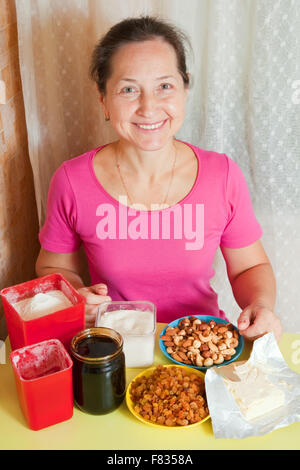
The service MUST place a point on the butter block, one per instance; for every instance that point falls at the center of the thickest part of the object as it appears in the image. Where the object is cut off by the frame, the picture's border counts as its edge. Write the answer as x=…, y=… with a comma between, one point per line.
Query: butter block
x=253, y=392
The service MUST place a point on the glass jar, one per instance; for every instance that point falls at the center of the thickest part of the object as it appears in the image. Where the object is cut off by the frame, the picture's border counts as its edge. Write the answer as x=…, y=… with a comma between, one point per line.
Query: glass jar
x=99, y=382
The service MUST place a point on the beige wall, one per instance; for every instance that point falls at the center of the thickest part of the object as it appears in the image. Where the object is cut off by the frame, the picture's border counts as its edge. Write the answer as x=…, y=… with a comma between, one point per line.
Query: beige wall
x=19, y=244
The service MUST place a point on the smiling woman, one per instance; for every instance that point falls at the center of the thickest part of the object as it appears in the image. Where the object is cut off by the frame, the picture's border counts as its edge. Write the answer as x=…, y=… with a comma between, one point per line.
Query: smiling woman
x=147, y=177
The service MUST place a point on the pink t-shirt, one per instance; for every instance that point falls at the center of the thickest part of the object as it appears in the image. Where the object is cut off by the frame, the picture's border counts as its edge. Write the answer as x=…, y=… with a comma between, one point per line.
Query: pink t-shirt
x=165, y=256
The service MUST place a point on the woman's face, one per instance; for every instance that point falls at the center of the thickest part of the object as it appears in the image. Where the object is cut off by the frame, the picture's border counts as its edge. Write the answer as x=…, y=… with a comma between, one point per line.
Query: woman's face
x=145, y=94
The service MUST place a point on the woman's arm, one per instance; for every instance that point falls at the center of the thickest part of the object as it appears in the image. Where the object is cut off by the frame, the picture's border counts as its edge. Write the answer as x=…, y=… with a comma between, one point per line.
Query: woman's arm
x=251, y=275
x=254, y=288
x=68, y=264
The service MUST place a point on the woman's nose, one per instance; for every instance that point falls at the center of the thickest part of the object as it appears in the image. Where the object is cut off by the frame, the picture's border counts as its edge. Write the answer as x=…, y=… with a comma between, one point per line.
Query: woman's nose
x=147, y=105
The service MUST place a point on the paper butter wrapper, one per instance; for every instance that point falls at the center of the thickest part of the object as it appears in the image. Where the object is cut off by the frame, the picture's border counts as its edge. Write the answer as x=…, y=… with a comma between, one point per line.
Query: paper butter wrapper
x=227, y=417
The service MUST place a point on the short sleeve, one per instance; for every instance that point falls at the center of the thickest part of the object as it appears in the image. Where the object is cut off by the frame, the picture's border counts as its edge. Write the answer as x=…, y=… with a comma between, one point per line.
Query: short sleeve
x=58, y=233
x=242, y=228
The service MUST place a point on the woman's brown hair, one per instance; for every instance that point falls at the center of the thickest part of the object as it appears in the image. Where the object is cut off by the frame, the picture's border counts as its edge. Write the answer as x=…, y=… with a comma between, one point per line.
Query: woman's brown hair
x=136, y=30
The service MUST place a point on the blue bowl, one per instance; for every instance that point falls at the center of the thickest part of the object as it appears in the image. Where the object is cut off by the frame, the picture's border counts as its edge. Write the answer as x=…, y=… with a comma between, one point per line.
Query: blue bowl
x=205, y=318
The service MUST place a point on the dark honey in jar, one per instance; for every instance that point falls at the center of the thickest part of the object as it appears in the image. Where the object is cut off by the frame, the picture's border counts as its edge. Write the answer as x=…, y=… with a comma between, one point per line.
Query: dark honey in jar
x=99, y=382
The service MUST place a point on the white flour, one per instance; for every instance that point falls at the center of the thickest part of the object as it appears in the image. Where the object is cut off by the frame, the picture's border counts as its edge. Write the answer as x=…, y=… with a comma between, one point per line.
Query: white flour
x=42, y=304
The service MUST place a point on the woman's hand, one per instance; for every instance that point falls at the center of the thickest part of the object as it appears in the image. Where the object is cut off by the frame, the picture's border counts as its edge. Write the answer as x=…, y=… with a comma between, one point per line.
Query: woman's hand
x=94, y=295
x=256, y=320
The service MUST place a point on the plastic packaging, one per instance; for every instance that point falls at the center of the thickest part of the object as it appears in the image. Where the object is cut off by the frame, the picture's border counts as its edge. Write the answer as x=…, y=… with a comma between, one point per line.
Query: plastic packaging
x=229, y=419
x=63, y=324
x=43, y=376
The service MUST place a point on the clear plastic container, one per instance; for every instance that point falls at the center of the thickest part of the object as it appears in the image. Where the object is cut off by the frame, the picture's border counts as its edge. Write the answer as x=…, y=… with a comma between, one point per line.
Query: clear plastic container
x=136, y=323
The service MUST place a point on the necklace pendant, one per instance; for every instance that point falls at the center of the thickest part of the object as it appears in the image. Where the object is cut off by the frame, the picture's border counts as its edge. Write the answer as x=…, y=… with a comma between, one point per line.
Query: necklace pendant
x=164, y=203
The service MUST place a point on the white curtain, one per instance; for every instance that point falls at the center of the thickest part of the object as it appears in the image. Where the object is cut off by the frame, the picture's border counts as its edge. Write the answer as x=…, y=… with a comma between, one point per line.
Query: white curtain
x=245, y=102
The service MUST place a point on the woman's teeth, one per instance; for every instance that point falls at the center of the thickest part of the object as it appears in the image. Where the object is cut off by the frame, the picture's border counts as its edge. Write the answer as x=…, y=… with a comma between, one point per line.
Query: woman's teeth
x=150, y=126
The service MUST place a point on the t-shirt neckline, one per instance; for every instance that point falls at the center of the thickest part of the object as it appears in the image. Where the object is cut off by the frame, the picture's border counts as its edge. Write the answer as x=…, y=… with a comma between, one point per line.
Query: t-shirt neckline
x=118, y=203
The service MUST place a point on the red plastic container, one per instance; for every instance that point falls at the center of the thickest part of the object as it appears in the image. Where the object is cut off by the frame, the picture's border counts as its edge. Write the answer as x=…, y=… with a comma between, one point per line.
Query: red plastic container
x=43, y=375
x=63, y=324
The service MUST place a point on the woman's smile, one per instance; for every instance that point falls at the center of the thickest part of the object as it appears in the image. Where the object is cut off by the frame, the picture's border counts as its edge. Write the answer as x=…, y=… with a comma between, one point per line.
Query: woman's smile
x=156, y=126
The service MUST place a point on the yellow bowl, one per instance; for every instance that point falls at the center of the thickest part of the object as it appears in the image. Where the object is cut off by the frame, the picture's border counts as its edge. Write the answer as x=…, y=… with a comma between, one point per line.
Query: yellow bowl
x=147, y=373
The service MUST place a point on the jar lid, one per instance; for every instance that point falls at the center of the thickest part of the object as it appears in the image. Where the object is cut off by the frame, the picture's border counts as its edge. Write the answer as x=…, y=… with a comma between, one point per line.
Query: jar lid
x=96, y=332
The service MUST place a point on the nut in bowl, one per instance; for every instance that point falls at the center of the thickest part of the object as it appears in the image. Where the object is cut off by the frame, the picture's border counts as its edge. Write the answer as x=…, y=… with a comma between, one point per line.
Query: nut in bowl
x=201, y=341
x=168, y=397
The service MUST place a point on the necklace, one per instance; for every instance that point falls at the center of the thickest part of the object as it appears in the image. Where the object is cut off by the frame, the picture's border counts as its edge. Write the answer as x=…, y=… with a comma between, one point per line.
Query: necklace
x=125, y=186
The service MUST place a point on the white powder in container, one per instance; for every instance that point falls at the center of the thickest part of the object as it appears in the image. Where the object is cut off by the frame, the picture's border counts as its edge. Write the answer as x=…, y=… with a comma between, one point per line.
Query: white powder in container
x=138, y=331
x=42, y=304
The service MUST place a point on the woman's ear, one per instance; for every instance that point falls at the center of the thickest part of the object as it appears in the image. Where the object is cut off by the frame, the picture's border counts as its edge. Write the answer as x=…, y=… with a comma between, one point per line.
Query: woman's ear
x=190, y=81
x=103, y=105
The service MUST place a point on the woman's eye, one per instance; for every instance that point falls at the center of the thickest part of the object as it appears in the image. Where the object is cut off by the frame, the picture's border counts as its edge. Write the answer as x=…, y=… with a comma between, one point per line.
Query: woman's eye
x=166, y=86
x=127, y=90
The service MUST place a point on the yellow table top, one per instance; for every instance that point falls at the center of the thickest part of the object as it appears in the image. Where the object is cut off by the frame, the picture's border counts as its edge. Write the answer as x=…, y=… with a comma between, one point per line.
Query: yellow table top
x=120, y=430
